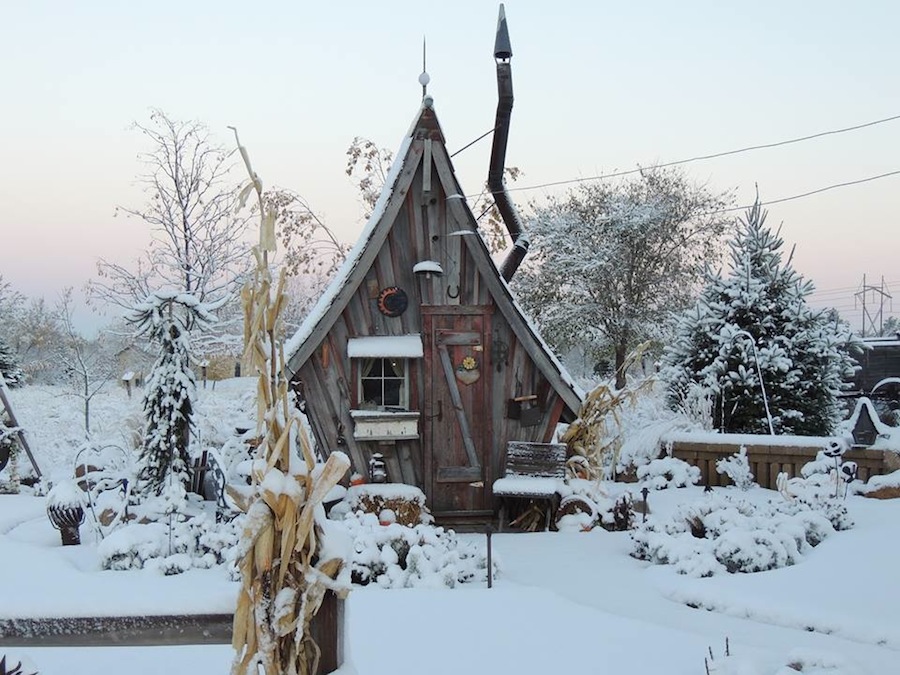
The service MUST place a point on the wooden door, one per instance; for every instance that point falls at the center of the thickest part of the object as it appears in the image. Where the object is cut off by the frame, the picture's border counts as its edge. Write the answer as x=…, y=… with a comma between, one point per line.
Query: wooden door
x=458, y=420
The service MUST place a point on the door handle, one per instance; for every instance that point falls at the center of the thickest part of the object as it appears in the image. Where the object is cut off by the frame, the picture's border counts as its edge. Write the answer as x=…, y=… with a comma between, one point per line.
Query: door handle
x=440, y=413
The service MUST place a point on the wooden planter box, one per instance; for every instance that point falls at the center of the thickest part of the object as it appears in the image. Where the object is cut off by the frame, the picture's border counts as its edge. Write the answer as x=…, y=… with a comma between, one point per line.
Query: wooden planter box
x=767, y=458
x=385, y=426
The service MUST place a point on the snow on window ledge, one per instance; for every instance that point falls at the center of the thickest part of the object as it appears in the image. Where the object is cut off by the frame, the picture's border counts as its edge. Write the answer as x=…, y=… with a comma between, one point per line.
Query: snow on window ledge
x=386, y=346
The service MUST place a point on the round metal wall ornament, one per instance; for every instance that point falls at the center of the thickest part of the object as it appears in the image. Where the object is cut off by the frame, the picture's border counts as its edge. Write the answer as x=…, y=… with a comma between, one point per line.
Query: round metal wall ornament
x=392, y=301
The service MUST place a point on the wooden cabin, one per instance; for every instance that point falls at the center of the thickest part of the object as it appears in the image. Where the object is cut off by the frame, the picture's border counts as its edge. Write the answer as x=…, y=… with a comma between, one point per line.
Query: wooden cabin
x=418, y=350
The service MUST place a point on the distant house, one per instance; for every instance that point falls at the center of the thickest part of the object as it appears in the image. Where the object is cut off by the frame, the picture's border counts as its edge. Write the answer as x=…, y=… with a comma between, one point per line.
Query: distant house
x=879, y=374
x=134, y=363
x=418, y=351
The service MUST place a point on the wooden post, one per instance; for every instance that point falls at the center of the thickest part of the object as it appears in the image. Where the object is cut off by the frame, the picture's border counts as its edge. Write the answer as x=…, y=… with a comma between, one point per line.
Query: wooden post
x=327, y=629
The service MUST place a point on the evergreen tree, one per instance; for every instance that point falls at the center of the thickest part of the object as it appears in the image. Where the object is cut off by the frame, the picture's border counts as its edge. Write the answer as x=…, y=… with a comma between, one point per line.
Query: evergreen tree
x=9, y=367
x=756, y=321
x=163, y=461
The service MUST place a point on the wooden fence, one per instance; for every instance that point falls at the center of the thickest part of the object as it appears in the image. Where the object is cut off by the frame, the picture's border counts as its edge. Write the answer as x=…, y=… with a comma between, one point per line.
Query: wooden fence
x=766, y=458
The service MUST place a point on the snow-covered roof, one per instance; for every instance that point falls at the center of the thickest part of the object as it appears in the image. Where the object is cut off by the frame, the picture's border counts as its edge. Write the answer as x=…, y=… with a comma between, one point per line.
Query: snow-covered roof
x=318, y=312
x=297, y=349
x=877, y=342
x=864, y=403
x=883, y=383
x=399, y=346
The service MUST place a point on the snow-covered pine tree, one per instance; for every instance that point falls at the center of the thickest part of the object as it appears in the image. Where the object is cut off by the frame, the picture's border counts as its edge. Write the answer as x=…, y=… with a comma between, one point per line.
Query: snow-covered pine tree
x=9, y=367
x=759, y=311
x=168, y=393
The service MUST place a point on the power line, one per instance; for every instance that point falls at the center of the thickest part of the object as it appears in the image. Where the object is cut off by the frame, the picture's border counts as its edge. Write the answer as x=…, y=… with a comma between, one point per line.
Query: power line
x=697, y=158
x=844, y=290
x=810, y=193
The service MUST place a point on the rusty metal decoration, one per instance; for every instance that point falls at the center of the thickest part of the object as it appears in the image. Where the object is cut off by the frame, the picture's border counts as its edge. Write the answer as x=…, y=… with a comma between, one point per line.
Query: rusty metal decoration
x=392, y=301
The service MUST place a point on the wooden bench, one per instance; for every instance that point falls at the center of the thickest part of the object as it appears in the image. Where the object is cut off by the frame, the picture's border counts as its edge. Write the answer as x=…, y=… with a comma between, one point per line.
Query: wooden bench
x=532, y=475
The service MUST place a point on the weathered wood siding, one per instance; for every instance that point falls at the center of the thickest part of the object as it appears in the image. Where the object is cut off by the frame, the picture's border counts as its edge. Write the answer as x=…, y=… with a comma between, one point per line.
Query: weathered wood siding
x=424, y=229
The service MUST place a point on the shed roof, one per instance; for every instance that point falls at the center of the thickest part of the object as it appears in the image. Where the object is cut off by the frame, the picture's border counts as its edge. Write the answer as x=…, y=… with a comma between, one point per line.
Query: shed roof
x=322, y=317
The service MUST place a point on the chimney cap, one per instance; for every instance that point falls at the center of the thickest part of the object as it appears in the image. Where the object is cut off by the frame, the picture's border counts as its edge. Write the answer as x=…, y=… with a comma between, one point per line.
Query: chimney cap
x=502, y=47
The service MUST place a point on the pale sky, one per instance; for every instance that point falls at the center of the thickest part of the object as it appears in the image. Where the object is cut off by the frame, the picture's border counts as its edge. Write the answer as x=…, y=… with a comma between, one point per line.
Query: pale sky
x=599, y=86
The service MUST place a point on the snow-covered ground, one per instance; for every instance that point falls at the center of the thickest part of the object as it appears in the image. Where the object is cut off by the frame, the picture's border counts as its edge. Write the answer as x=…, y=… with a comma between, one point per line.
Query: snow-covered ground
x=563, y=603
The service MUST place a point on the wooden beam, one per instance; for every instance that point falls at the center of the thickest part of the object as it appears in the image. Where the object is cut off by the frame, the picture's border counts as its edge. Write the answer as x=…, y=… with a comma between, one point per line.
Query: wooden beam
x=426, y=170
x=456, y=399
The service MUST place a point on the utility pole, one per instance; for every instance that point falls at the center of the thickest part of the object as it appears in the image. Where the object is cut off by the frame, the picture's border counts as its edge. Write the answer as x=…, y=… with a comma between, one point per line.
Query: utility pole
x=872, y=320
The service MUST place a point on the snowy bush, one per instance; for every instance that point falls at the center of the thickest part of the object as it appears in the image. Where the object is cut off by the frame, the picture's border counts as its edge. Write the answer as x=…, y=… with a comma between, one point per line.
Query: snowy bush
x=822, y=464
x=737, y=468
x=186, y=543
x=720, y=534
x=668, y=472
x=395, y=556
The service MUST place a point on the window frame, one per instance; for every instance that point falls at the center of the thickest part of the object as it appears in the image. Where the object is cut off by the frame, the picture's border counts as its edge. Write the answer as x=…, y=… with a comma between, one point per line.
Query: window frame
x=362, y=366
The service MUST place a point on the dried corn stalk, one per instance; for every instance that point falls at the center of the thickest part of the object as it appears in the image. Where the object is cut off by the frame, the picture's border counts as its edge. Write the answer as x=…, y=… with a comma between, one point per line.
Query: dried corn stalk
x=283, y=576
x=596, y=434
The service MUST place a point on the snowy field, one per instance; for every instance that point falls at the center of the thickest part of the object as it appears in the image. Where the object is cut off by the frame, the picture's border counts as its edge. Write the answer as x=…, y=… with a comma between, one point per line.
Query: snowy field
x=563, y=603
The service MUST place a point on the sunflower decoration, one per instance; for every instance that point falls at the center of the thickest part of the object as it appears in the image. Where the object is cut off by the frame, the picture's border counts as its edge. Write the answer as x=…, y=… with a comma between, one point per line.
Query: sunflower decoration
x=467, y=371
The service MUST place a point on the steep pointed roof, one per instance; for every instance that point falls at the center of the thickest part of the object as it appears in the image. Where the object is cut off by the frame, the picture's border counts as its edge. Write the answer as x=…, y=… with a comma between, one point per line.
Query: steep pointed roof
x=399, y=178
x=351, y=274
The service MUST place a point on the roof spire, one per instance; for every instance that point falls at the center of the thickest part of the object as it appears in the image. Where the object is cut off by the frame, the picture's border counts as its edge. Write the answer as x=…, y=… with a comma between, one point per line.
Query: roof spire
x=424, y=78
x=502, y=47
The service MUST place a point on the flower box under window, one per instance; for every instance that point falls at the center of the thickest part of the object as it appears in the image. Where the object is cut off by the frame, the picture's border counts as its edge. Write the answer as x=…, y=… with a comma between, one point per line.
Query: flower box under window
x=385, y=425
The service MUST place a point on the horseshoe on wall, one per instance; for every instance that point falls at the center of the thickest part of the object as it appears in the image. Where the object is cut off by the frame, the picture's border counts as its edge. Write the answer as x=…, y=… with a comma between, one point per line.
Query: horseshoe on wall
x=450, y=294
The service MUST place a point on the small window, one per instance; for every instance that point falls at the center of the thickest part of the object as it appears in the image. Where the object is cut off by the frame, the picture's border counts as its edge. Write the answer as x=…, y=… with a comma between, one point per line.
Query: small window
x=383, y=384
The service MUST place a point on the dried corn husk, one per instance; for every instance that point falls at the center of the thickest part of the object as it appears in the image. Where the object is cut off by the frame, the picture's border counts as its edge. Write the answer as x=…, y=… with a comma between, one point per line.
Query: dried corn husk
x=283, y=581
x=595, y=434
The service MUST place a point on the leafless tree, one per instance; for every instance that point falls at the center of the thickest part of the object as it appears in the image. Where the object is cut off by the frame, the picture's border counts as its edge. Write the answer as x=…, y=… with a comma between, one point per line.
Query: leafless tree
x=197, y=246
x=35, y=334
x=368, y=167
x=88, y=365
x=310, y=247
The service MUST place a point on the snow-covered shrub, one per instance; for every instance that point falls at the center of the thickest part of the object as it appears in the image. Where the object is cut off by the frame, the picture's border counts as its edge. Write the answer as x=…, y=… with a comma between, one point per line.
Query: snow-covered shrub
x=196, y=542
x=720, y=534
x=737, y=468
x=668, y=472
x=821, y=465
x=829, y=506
x=395, y=556
x=166, y=318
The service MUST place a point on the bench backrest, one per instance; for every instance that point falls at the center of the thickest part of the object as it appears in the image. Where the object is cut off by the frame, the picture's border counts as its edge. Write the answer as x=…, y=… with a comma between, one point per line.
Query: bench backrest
x=544, y=460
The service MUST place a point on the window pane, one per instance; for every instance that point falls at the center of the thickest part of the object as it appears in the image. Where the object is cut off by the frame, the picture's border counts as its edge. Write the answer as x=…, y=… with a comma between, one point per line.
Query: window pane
x=372, y=391
x=383, y=383
x=393, y=368
x=393, y=391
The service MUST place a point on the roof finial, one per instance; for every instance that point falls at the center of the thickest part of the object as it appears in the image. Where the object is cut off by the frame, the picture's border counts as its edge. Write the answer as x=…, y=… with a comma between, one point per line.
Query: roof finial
x=424, y=78
x=502, y=48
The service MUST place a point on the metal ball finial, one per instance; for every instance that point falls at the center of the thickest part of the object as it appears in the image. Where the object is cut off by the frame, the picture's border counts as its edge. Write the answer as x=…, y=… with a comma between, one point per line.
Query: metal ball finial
x=424, y=78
